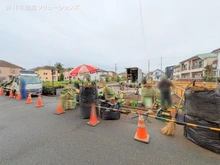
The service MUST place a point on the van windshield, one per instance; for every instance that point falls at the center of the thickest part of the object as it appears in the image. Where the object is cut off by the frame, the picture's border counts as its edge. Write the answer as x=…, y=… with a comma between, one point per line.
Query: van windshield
x=31, y=79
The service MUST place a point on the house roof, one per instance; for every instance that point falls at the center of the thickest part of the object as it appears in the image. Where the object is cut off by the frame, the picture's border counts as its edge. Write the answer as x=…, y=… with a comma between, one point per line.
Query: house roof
x=44, y=67
x=8, y=64
x=68, y=69
x=206, y=55
x=112, y=72
x=216, y=50
x=122, y=73
x=101, y=70
x=158, y=70
x=202, y=56
x=171, y=66
x=176, y=66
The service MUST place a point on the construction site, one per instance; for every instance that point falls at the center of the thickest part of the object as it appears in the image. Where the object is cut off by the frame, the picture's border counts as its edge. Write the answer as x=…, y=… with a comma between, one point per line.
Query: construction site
x=195, y=109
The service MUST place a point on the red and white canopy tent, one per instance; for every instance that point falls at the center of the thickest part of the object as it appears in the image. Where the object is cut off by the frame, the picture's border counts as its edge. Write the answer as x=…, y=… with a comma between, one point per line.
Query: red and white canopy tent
x=83, y=70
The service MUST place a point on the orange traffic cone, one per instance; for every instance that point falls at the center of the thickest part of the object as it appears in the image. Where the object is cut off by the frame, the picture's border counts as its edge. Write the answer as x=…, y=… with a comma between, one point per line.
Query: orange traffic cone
x=93, y=121
x=11, y=95
x=18, y=97
x=59, y=108
x=39, y=101
x=29, y=99
x=141, y=134
x=2, y=91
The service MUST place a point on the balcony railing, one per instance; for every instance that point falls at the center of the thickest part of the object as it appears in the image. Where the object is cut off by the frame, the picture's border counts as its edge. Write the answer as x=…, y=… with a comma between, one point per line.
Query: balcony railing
x=197, y=67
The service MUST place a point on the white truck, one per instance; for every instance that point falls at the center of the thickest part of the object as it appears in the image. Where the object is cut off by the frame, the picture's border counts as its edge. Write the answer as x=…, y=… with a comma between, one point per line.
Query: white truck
x=134, y=75
x=33, y=83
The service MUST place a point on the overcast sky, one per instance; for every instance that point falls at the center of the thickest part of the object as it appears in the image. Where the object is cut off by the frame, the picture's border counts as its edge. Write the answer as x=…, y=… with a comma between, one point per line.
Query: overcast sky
x=107, y=32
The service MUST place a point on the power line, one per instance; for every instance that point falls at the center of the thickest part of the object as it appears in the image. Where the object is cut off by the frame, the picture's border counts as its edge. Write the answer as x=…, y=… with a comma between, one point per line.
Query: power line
x=142, y=25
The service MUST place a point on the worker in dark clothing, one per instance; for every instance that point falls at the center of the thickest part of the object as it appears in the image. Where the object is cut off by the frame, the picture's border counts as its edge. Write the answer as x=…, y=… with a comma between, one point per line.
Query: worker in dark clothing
x=23, y=88
x=165, y=86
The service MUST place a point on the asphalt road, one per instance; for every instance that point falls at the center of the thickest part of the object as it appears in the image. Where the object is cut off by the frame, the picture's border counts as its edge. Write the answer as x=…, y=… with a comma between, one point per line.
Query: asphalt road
x=37, y=136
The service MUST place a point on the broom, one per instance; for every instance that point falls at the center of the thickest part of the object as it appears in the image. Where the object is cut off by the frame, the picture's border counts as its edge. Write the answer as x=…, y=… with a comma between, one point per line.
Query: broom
x=169, y=129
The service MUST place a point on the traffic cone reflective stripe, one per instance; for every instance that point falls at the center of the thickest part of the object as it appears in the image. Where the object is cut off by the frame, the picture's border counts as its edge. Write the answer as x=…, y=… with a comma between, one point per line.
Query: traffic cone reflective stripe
x=93, y=121
x=18, y=97
x=141, y=134
x=59, y=109
x=39, y=101
x=29, y=99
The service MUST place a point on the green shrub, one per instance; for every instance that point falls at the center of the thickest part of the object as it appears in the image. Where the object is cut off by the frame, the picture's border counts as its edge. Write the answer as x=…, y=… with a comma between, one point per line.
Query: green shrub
x=118, y=79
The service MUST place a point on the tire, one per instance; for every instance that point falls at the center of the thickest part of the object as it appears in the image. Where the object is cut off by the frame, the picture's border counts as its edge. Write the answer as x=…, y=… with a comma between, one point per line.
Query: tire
x=6, y=93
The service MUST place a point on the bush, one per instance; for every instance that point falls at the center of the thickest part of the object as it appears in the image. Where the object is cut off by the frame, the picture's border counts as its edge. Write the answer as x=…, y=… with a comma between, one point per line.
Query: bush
x=61, y=78
x=118, y=79
x=107, y=78
x=48, y=88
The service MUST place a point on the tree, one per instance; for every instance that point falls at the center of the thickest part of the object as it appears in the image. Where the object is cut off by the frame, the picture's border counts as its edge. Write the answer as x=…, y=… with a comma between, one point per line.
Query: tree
x=208, y=70
x=208, y=73
x=88, y=78
x=61, y=78
x=59, y=67
x=123, y=77
x=118, y=78
x=107, y=78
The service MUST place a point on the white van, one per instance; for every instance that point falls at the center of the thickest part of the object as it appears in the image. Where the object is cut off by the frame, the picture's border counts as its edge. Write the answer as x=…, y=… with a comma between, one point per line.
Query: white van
x=33, y=83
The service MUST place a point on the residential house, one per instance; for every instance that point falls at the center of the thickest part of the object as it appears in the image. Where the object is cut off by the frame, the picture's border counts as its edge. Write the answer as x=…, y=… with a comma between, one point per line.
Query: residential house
x=8, y=69
x=149, y=76
x=176, y=72
x=93, y=77
x=156, y=75
x=112, y=74
x=122, y=75
x=194, y=66
x=66, y=74
x=45, y=73
x=217, y=52
x=169, y=71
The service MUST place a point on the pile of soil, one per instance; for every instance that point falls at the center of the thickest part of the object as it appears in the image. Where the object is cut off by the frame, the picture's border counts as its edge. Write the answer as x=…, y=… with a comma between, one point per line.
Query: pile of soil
x=147, y=86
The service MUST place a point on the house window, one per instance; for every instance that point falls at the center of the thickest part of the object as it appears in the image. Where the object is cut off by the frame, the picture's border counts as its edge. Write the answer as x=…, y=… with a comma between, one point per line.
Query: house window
x=46, y=78
x=214, y=73
x=200, y=64
x=12, y=70
x=195, y=65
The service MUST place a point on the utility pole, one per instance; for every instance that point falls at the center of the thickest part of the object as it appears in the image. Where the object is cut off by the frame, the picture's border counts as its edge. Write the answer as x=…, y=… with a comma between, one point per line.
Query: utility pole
x=115, y=68
x=148, y=76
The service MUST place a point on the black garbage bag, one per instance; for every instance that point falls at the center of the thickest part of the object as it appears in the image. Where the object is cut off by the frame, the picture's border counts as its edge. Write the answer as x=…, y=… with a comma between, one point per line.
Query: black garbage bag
x=203, y=137
x=88, y=95
x=85, y=110
x=203, y=104
x=110, y=114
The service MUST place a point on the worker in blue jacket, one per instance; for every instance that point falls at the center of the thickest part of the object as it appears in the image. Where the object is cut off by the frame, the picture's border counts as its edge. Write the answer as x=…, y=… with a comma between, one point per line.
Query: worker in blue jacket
x=23, y=88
